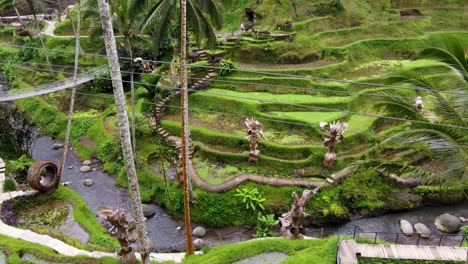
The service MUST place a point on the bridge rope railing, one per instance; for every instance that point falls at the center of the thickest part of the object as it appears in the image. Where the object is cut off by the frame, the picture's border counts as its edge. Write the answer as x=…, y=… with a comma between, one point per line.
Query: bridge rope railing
x=50, y=87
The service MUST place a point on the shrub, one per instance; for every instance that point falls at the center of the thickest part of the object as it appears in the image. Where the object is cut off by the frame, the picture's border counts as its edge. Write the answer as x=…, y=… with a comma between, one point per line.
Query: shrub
x=264, y=225
x=226, y=67
x=251, y=198
x=9, y=185
x=20, y=167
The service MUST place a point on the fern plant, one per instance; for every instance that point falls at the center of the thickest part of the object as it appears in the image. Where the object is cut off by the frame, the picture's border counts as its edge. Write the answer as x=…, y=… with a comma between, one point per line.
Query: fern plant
x=251, y=198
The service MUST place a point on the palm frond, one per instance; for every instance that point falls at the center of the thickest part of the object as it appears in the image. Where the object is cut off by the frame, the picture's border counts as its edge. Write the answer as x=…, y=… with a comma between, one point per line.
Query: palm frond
x=402, y=170
x=450, y=51
x=395, y=105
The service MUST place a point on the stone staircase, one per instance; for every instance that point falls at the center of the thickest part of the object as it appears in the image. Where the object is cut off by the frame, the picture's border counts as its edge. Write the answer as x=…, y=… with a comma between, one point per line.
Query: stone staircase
x=198, y=84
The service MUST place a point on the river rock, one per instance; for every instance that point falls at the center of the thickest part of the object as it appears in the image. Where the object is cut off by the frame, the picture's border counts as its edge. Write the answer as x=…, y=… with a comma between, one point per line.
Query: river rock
x=406, y=227
x=149, y=210
x=462, y=219
x=198, y=243
x=447, y=223
x=422, y=230
x=86, y=163
x=88, y=182
x=85, y=168
x=57, y=145
x=199, y=231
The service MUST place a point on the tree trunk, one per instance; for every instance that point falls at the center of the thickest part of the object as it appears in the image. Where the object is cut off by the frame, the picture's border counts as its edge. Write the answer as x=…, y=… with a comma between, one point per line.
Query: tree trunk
x=18, y=15
x=133, y=186
x=132, y=99
x=184, y=119
x=33, y=12
x=72, y=100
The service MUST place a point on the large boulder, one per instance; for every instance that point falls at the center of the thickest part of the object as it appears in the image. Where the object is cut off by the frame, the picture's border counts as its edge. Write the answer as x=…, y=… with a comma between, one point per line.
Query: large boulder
x=85, y=168
x=448, y=223
x=406, y=227
x=422, y=230
x=88, y=182
x=149, y=210
x=199, y=231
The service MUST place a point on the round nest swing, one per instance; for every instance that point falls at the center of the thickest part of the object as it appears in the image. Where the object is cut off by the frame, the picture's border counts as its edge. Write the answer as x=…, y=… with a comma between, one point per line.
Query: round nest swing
x=43, y=176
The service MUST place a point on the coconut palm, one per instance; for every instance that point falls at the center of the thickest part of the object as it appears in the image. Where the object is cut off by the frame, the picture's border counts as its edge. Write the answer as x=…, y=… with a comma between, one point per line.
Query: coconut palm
x=134, y=189
x=447, y=144
x=202, y=17
x=127, y=22
x=451, y=51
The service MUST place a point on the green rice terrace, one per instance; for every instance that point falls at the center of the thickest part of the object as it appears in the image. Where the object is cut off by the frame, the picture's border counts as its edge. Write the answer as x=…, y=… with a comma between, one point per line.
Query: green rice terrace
x=338, y=128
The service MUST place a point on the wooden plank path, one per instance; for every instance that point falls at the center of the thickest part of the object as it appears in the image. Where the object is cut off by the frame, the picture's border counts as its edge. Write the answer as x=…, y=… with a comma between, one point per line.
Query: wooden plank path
x=349, y=249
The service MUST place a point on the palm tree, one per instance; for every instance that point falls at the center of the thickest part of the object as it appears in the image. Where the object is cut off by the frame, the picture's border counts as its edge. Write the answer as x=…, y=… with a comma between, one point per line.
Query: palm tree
x=163, y=13
x=436, y=132
x=449, y=50
x=184, y=119
x=134, y=189
x=127, y=22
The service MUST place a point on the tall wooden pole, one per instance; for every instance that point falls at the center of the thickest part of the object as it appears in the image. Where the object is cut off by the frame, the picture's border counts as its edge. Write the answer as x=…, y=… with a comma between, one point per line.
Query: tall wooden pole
x=184, y=120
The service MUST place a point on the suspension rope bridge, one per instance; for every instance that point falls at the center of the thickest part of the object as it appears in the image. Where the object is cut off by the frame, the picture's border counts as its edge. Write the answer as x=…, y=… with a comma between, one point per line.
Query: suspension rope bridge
x=16, y=94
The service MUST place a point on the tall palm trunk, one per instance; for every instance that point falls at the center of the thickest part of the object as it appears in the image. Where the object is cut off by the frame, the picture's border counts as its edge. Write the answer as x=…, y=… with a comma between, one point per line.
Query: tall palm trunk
x=184, y=119
x=72, y=100
x=134, y=189
x=38, y=26
x=132, y=92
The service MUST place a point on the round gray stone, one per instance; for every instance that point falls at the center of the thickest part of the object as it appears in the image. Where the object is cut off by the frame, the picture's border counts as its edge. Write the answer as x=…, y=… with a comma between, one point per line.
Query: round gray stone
x=422, y=230
x=149, y=210
x=88, y=182
x=448, y=223
x=57, y=145
x=406, y=227
x=87, y=163
x=85, y=168
x=198, y=243
x=199, y=231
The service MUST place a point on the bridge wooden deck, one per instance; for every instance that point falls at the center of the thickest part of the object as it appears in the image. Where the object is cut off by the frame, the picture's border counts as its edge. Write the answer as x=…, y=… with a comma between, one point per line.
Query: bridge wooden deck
x=349, y=249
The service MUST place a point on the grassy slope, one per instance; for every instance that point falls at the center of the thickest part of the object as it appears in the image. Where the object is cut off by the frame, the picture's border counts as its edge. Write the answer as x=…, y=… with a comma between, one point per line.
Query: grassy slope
x=321, y=251
x=17, y=248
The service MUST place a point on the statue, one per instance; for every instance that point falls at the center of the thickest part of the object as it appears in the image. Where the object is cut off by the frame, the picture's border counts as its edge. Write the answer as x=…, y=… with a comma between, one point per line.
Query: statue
x=124, y=230
x=254, y=134
x=291, y=221
x=336, y=132
x=418, y=103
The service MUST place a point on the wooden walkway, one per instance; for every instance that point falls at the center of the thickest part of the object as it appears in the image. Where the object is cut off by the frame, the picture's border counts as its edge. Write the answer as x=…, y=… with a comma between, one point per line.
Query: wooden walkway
x=349, y=249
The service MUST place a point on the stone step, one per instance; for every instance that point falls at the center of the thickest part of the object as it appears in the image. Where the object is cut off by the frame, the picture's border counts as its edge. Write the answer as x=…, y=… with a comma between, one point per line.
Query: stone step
x=207, y=76
x=212, y=74
x=165, y=135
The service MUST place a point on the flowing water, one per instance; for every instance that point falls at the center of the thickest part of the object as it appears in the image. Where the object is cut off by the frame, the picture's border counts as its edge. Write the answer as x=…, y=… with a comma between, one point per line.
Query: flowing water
x=167, y=233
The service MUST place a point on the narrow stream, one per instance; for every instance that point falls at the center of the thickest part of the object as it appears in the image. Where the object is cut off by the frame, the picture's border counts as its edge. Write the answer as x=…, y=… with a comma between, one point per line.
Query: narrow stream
x=163, y=229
